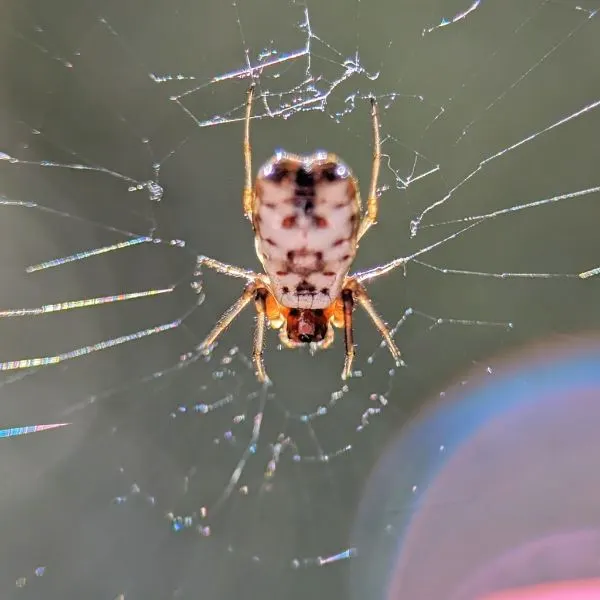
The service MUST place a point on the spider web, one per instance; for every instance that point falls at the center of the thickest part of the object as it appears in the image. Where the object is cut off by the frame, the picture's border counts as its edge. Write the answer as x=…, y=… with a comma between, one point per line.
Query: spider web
x=121, y=165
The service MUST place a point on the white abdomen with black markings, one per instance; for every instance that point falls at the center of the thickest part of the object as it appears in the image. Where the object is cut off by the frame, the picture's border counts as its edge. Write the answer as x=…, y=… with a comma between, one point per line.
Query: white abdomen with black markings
x=306, y=217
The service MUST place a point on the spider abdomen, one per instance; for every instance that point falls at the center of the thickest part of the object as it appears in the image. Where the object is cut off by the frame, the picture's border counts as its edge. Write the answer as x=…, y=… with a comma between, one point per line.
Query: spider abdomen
x=305, y=216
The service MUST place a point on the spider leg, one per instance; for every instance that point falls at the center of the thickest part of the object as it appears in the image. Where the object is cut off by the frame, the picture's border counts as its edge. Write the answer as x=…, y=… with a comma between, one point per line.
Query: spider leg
x=247, y=196
x=227, y=318
x=348, y=303
x=371, y=215
x=365, y=302
x=259, y=334
x=375, y=272
x=360, y=294
x=226, y=269
x=371, y=274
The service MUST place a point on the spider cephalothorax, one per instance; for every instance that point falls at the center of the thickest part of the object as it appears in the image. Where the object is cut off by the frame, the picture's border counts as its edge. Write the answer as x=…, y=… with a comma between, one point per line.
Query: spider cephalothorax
x=307, y=220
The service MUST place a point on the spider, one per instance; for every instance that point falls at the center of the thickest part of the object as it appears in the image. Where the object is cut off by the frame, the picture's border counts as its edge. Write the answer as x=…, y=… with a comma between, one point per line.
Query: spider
x=306, y=216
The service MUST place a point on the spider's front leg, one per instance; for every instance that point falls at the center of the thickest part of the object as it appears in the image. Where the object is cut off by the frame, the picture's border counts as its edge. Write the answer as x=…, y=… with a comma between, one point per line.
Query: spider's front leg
x=256, y=291
x=370, y=216
x=247, y=195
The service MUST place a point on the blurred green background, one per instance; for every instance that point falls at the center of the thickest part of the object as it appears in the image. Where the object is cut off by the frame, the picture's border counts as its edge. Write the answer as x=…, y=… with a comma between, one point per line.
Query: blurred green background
x=481, y=113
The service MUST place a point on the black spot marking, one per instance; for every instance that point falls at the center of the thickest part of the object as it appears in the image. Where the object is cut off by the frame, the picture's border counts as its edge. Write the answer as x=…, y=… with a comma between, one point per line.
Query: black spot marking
x=319, y=255
x=278, y=174
x=285, y=289
x=305, y=288
x=303, y=202
x=352, y=219
x=325, y=291
x=304, y=178
x=291, y=254
x=329, y=172
x=304, y=191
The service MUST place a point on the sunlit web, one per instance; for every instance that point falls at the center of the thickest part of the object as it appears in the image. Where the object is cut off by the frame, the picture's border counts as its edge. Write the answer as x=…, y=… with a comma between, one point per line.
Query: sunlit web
x=96, y=212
